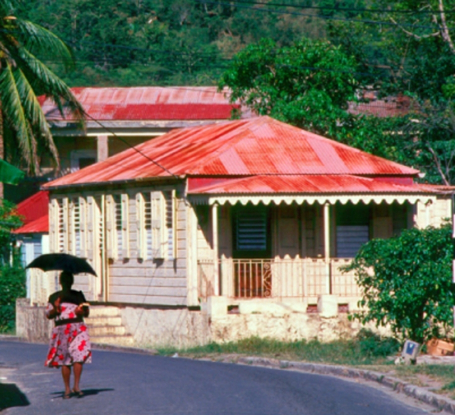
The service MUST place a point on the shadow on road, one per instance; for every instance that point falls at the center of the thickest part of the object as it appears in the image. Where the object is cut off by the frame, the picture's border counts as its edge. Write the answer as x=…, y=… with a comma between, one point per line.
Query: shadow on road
x=11, y=395
x=87, y=392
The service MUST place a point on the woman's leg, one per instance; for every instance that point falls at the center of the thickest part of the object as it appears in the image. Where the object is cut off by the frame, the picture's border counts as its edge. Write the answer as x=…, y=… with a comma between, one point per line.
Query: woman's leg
x=66, y=373
x=77, y=367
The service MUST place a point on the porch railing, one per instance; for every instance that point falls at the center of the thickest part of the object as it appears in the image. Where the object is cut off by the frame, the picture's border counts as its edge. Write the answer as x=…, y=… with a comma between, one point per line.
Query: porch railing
x=277, y=278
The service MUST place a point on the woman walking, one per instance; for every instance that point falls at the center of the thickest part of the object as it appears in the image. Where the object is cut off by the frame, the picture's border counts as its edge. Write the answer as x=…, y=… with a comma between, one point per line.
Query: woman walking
x=69, y=345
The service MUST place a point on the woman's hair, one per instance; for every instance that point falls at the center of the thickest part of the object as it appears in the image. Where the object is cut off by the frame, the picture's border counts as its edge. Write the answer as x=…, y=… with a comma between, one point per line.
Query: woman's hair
x=66, y=279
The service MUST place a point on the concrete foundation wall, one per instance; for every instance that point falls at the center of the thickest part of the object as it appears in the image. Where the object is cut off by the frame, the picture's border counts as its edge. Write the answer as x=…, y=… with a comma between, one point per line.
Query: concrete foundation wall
x=31, y=322
x=183, y=328
x=160, y=328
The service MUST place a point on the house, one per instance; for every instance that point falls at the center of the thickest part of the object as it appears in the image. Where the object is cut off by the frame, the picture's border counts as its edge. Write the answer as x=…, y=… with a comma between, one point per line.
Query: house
x=118, y=118
x=233, y=221
x=33, y=236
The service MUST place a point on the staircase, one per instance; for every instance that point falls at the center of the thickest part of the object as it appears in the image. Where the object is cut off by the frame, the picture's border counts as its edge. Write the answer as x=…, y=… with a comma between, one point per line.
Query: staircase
x=105, y=327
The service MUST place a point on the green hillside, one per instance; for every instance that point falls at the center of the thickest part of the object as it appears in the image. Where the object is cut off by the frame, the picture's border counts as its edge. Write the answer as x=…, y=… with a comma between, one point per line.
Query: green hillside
x=162, y=42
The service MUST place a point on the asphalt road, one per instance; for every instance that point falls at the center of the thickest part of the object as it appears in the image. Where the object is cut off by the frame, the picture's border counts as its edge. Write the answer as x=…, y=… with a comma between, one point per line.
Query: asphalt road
x=130, y=384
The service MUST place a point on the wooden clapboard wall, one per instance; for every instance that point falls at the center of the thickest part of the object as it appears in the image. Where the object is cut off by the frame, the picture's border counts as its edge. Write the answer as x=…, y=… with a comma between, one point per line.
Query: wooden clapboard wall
x=135, y=276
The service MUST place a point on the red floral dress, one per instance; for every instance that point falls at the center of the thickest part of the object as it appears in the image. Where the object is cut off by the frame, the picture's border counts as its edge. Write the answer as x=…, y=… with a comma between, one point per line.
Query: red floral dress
x=70, y=342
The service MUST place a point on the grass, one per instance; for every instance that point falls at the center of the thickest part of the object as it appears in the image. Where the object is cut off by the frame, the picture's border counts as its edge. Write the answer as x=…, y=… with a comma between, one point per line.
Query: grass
x=367, y=351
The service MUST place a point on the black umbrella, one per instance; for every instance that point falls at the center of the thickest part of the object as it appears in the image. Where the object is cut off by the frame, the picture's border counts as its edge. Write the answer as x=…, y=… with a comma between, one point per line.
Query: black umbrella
x=62, y=262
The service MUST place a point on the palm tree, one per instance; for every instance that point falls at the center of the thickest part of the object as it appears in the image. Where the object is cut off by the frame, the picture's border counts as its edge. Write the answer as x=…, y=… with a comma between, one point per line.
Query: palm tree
x=24, y=77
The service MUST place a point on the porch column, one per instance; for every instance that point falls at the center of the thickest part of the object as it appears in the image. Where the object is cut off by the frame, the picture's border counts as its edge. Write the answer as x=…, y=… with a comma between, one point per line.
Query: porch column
x=428, y=213
x=216, y=289
x=102, y=148
x=327, y=247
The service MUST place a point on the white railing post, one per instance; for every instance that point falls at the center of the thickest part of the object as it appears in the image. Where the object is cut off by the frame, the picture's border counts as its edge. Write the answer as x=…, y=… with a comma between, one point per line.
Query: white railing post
x=216, y=289
x=327, y=246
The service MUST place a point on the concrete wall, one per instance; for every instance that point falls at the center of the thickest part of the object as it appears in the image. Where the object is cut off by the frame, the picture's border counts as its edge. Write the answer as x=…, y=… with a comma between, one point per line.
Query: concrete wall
x=184, y=328
x=31, y=322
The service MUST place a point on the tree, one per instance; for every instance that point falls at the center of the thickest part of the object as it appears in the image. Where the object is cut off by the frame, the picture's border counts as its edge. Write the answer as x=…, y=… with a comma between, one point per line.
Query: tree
x=409, y=51
x=24, y=77
x=406, y=283
x=307, y=84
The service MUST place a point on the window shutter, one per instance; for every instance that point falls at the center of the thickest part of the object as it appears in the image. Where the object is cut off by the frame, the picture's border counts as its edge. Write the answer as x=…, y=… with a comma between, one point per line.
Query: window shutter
x=53, y=225
x=148, y=225
x=170, y=220
x=111, y=234
x=75, y=226
x=140, y=242
x=157, y=221
x=62, y=224
x=83, y=225
x=124, y=208
x=89, y=224
x=251, y=229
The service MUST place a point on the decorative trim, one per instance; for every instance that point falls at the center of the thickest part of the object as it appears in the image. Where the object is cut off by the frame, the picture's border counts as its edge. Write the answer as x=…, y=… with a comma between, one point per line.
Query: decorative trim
x=311, y=199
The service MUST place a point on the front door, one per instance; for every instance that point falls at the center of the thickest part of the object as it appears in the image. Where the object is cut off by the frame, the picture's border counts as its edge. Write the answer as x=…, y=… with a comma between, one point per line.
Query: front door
x=252, y=251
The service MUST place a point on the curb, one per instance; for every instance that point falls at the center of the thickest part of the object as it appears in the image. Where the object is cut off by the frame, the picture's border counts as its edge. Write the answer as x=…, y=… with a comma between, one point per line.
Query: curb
x=439, y=402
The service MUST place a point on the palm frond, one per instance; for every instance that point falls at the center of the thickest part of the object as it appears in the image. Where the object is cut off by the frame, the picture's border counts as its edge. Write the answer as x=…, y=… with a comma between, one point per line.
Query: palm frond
x=6, y=8
x=14, y=113
x=43, y=79
x=41, y=40
x=34, y=113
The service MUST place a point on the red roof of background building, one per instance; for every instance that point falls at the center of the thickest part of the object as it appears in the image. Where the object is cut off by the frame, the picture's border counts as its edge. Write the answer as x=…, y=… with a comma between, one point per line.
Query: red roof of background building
x=257, y=146
x=35, y=211
x=149, y=103
x=40, y=225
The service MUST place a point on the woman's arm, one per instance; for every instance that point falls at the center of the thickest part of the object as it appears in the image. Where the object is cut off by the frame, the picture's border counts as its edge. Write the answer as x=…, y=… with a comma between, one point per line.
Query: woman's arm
x=55, y=311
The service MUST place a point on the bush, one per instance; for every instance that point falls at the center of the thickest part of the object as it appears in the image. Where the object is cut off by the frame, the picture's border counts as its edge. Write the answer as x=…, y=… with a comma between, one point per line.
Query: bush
x=12, y=286
x=373, y=345
x=406, y=283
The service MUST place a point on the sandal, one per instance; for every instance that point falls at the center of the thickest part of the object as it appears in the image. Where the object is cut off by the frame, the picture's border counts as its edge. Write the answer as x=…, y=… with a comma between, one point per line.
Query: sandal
x=66, y=395
x=79, y=394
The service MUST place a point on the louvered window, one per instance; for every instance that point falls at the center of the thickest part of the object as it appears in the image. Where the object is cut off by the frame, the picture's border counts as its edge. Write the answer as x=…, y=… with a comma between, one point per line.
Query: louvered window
x=251, y=228
x=148, y=226
x=118, y=223
x=77, y=234
x=61, y=225
x=169, y=220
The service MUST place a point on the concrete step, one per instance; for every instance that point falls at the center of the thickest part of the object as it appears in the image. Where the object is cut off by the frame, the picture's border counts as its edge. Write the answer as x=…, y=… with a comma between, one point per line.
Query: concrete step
x=103, y=311
x=125, y=340
x=106, y=330
x=103, y=321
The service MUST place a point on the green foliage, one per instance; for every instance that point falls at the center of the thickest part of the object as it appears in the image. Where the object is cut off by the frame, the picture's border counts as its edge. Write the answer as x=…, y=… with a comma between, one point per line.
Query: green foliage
x=406, y=283
x=160, y=42
x=9, y=220
x=366, y=348
x=23, y=77
x=307, y=84
x=12, y=286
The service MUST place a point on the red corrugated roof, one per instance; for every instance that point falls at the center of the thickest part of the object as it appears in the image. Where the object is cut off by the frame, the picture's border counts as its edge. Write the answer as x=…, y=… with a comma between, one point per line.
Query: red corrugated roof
x=40, y=225
x=34, y=211
x=149, y=103
x=305, y=184
x=34, y=207
x=257, y=146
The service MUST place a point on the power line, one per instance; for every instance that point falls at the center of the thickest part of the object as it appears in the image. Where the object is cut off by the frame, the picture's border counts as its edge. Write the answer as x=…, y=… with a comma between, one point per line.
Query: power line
x=281, y=11
x=129, y=145
x=347, y=9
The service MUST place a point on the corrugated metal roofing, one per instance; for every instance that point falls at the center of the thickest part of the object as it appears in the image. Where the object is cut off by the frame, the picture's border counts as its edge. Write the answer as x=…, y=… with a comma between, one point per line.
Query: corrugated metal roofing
x=40, y=225
x=149, y=103
x=34, y=211
x=306, y=184
x=257, y=146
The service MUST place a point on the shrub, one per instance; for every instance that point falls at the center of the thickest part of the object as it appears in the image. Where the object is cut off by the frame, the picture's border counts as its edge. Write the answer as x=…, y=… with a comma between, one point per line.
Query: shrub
x=406, y=283
x=12, y=286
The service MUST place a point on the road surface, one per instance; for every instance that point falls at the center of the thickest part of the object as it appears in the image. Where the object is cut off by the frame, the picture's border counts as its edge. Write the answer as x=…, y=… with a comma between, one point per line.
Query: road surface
x=136, y=384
